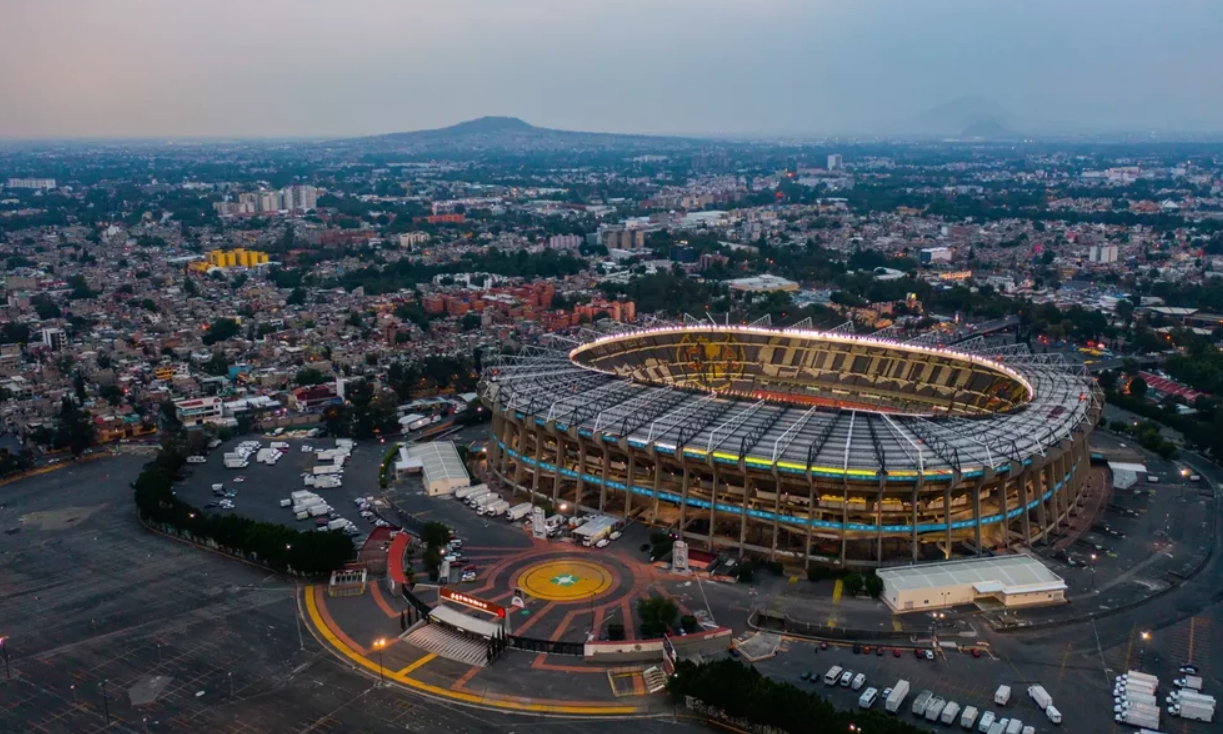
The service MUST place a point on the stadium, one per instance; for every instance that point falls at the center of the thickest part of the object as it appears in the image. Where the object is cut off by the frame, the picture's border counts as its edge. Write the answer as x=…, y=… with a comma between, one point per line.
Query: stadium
x=799, y=445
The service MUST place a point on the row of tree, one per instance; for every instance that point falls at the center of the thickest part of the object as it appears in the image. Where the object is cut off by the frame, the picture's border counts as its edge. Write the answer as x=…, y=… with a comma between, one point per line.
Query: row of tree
x=744, y=693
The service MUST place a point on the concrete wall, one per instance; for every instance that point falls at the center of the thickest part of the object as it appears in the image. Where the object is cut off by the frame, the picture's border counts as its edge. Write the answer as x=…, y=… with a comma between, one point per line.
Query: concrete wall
x=651, y=650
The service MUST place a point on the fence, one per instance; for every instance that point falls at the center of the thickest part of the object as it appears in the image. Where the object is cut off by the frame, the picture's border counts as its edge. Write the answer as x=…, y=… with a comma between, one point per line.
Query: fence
x=416, y=602
x=551, y=647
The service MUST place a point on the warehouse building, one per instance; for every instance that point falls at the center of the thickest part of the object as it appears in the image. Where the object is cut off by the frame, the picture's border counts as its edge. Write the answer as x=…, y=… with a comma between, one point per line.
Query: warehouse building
x=1009, y=581
x=439, y=463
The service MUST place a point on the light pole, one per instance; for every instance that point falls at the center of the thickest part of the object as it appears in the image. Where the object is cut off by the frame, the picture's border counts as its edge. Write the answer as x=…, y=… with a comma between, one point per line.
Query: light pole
x=1142, y=651
x=105, y=702
x=8, y=674
x=73, y=689
x=379, y=644
x=1093, y=571
x=230, y=675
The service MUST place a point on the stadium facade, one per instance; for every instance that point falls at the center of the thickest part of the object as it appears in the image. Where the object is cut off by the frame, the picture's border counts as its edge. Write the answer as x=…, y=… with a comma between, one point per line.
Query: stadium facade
x=797, y=444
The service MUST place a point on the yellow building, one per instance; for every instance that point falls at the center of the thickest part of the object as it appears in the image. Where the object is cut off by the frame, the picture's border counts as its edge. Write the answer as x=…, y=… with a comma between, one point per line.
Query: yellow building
x=238, y=257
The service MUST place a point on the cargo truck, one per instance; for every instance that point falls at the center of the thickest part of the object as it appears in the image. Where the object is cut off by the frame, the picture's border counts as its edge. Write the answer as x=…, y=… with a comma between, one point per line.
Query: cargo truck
x=897, y=697
x=1191, y=682
x=1194, y=710
x=463, y=493
x=919, y=703
x=1141, y=719
x=486, y=500
x=337, y=524
x=1002, y=695
x=1137, y=675
x=301, y=494
x=1138, y=686
x=474, y=497
x=319, y=510
x=1054, y=715
x=1040, y=696
x=1140, y=698
x=950, y=712
x=495, y=508
x=1014, y=727
x=968, y=719
x=517, y=512
x=935, y=708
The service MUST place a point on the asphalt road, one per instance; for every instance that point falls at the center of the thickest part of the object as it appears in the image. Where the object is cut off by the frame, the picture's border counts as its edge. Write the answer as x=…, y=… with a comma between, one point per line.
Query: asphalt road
x=90, y=600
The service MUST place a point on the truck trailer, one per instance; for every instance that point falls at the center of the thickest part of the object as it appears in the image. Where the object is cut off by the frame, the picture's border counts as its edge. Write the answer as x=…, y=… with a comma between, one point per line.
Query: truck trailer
x=896, y=698
x=1194, y=711
x=495, y=509
x=968, y=719
x=1040, y=696
x=517, y=512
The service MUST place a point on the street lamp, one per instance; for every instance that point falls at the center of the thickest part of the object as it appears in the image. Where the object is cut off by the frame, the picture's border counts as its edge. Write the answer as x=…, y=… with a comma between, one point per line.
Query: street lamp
x=105, y=702
x=1093, y=571
x=379, y=644
x=1146, y=637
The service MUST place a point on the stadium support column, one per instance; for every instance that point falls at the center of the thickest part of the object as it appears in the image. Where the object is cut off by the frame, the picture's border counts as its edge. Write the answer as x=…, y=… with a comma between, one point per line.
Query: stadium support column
x=657, y=481
x=581, y=483
x=810, y=517
x=776, y=511
x=603, y=474
x=947, y=519
x=844, y=517
x=683, y=499
x=713, y=506
x=1042, y=515
x=628, y=480
x=913, y=519
x=986, y=475
x=1003, y=491
x=879, y=522
x=747, y=490
x=1025, y=523
x=519, y=464
x=539, y=457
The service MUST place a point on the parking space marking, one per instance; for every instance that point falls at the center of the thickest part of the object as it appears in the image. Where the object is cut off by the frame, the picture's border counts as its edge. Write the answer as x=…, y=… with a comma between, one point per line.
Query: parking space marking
x=1062, y=670
x=837, y=590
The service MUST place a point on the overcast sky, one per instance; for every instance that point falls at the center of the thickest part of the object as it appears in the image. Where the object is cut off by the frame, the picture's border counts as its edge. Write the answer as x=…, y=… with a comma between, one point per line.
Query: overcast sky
x=156, y=68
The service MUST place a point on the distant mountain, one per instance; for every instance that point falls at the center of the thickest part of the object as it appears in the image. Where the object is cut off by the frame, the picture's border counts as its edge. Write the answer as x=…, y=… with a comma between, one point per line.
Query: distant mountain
x=962, y=117
x=510, y=134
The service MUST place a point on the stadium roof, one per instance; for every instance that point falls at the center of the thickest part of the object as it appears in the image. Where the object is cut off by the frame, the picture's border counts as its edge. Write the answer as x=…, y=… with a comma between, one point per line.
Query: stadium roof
x=546, y=386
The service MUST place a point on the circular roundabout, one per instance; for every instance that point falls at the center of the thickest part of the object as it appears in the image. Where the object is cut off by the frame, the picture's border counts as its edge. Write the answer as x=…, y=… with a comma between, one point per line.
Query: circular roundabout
x=566, y=580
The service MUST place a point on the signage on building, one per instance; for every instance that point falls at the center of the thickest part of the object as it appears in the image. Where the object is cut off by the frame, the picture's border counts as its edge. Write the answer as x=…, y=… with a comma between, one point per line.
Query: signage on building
x=539, y=526
x=471, y=601
x=679, y=557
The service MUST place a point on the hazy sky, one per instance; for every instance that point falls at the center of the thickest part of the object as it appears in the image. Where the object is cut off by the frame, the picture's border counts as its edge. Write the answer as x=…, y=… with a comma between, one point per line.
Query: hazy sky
x=345, y=67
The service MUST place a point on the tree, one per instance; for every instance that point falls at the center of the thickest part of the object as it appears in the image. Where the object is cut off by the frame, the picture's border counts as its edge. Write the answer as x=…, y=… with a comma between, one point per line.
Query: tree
x=309, y=376
x=874, y=585
x=190, y=288
x=853, y=583
x=113, y=394
x=78, y=385
x=656, y=615
x=1138, y=387
x=471, y=321
x=435, y=534
x=74, y=428
x=297, y=297
x=220, y=330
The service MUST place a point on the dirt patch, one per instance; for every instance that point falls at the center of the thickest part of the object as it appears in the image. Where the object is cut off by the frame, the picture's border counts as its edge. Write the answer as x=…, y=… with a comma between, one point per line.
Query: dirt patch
x=64, y=519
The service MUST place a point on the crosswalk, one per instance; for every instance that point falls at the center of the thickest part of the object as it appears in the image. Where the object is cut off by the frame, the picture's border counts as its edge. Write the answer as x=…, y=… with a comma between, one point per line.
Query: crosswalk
x=449, y=644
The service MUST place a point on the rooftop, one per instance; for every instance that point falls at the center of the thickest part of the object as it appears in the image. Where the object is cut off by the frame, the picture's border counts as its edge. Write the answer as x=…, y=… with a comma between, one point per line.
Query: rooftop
x=1001, y=573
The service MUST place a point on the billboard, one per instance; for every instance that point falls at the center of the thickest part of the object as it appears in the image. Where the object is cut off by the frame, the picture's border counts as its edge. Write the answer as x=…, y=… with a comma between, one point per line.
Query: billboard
x=468, y=600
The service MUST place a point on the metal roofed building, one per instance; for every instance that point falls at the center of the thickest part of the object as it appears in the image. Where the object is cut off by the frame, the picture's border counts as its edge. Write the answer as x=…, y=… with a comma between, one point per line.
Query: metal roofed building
x=1012, y=581
x=822, y=447
x=441, y=466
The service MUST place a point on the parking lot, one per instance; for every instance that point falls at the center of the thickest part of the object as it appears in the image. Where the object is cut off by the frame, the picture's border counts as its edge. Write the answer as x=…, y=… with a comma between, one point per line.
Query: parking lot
x=259, y=494
x=955, y=676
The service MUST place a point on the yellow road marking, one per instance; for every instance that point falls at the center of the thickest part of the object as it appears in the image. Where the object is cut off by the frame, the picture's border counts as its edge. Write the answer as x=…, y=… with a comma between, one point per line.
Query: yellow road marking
x=317, y=626
x=417, y=664
x=896, y=625
x=1057, y=686
x=1192, y=623
x=837, y=589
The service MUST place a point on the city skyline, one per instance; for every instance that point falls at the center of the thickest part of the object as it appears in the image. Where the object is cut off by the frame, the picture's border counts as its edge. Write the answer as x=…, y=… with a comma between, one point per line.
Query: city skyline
x=133, y=69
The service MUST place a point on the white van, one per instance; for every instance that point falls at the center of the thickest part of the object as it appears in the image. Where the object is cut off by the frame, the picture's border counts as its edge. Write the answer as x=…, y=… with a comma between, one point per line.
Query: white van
x=833, y=675
x=867, y=699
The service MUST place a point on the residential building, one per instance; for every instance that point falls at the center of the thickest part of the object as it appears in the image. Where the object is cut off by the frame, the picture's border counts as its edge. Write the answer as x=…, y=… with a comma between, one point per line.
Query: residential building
x=314, y=398
x=565, y=241
x=410, y=239
x=55, y=339
x=835, y=163
x=931, y=255
x=31, y=183
x=1102, y=254
x=198, y=411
